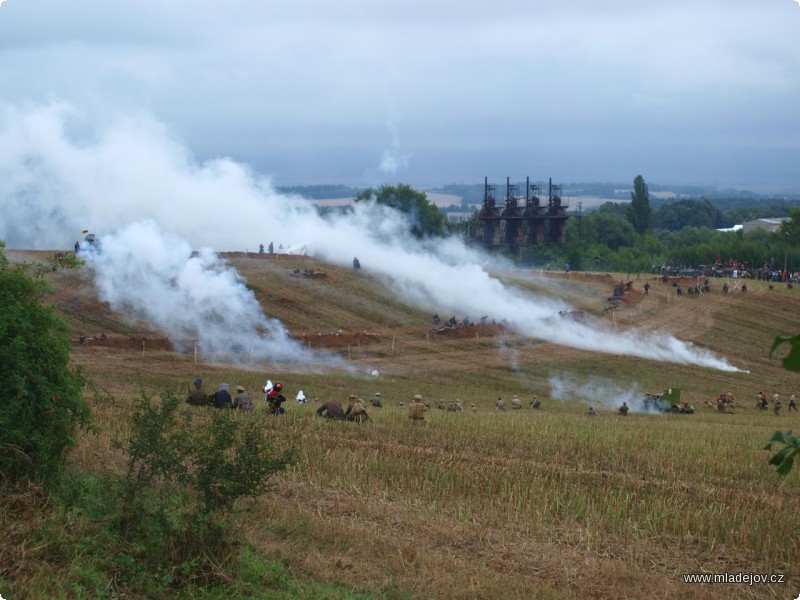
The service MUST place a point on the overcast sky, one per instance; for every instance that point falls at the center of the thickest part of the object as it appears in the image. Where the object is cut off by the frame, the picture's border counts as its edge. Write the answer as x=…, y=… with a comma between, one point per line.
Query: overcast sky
x=428, y=92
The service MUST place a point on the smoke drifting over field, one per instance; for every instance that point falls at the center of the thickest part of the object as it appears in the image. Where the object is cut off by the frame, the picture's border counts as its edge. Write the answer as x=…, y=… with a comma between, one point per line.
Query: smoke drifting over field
x=151, y=202
x=597, y=392
x=155, y=277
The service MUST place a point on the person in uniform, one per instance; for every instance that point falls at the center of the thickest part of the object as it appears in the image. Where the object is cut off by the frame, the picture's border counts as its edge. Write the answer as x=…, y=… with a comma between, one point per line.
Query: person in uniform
x=623, y=410
x=355, y=410
x=500, y=405
x=197, y=396
x=792, y=403
x=535, y=403
x=416, y=410
x=243, y=401
x=515, y=403
x=592, y=412
x=376, y=400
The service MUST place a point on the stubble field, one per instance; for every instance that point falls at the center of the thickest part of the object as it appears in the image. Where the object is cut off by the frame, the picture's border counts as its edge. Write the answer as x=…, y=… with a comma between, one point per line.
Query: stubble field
x=483, y=503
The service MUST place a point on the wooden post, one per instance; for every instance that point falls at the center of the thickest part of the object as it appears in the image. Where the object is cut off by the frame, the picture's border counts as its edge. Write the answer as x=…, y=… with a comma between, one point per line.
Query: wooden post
x=142, y=346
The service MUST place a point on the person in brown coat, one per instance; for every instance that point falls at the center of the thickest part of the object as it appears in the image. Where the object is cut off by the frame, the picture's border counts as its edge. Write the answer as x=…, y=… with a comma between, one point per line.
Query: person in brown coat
x=416, y=410
x=332, y=409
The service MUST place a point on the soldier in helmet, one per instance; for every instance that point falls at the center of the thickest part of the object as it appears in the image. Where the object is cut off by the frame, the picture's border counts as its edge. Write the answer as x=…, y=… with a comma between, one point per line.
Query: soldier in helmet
x=376, y=400
x=515, y=403
x=623, y=410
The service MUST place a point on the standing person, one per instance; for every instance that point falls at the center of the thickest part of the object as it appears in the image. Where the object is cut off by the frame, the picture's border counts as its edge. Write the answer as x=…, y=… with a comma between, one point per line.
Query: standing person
x=274, y=400
x=301, y=397
x=776, y=402
x=222, y=397
x=356, y=264
x=646, y=289
x=243, y=401
x=332, y=409
x=792, y=403
x=197, y=396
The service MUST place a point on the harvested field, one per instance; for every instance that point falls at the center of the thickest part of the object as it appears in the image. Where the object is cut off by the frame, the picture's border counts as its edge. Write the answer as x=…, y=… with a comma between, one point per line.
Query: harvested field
x=483, y=503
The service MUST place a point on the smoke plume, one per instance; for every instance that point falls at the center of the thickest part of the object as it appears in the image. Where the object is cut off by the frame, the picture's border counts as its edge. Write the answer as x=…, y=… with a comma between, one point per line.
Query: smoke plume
x=136, y=186
x=598, y=393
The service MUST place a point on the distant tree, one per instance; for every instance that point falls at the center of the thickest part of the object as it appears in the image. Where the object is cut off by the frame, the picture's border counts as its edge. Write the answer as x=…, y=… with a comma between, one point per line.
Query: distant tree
x=687, y=213
x=41, y=400
x=613, y=208
x=790, y=230
x=608, y=230
x=639, y=213
x=426, y=219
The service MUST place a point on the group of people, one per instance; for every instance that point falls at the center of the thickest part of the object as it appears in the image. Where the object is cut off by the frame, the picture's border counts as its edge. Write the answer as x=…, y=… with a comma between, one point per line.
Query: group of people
x=221, y=398
x=356, y=411
x=763, y=404
x=243, y=401
x=516, y=403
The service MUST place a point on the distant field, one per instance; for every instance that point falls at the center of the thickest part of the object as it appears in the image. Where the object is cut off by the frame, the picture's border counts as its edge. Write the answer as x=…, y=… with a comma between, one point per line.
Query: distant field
x=542, y=503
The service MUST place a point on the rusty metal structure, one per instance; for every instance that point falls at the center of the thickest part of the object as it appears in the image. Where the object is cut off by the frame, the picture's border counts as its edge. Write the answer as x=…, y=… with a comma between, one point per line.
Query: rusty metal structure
x=522, y=220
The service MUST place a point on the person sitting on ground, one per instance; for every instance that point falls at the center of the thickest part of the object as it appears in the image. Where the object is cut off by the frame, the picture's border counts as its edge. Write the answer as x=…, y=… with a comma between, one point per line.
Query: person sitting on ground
x=500, y=405
x=535, y=403
x=416, y=410
x=455, y=406
x=243, y=401
x=332, y=409
x=355, y=410
x=592, y=412
x=515, y=403
x=623, y=410
x=222, y=397
x=376, y=400
x=197, y=396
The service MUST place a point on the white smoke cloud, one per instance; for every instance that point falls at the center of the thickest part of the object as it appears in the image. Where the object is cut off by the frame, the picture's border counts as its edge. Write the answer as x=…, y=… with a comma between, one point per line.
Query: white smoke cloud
x=598, y=393
x=393, y=160
x=55, y=183
x=156, y=277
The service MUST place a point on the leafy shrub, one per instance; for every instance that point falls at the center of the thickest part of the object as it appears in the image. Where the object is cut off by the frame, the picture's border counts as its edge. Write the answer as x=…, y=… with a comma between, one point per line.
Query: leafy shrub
x=41, y=401
x=184, y=475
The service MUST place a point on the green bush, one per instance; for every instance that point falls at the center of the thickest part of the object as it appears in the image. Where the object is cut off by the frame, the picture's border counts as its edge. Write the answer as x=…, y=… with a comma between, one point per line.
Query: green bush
x=41, y=401
x=184, y=475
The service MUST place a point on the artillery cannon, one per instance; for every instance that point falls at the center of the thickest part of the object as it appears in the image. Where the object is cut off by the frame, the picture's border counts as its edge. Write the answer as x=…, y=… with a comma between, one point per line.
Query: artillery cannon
x=667, y=401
